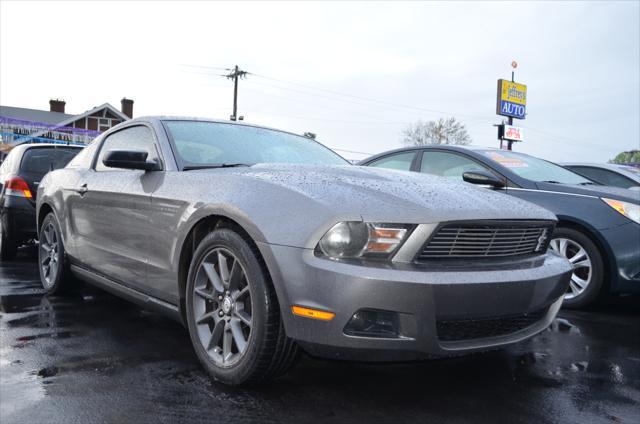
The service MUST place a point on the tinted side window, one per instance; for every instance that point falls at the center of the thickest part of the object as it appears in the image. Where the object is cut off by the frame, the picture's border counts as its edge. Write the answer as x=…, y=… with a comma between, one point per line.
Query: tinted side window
x=37, y=161
x=400, y=161
x=449, y=165
x=134, y=138
x=604, y=176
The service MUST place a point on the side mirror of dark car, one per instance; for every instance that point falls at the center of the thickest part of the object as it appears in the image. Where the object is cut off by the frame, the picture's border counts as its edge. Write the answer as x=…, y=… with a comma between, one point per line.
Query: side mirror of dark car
x=130, y=159
x=483, y=178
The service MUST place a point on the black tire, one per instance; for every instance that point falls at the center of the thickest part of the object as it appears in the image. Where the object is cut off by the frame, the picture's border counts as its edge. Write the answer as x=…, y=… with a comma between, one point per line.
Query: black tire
x=8, y=246
x=595, y=287
x=55, y=275
x=268, y=352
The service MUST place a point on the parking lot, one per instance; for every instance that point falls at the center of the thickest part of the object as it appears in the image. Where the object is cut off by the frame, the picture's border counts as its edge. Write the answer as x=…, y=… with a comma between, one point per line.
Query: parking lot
x=91, y=357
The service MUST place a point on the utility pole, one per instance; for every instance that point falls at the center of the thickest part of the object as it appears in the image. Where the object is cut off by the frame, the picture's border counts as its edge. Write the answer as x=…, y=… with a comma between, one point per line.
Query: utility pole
x=510, y=118
x=235, y=75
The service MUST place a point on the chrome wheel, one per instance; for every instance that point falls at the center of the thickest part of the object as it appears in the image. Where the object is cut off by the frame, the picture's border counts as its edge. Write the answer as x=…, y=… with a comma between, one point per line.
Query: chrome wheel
x=222, y=310
x=49, y=253
x=579, y=258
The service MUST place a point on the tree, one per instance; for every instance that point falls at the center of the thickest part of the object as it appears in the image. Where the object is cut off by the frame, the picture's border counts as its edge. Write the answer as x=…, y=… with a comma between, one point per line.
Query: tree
x=309, y=135
x=632, y=156
x=442, y=131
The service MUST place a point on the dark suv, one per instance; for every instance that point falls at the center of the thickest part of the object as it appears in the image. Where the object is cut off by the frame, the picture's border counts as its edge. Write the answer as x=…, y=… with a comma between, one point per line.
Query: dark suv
x=20, y=174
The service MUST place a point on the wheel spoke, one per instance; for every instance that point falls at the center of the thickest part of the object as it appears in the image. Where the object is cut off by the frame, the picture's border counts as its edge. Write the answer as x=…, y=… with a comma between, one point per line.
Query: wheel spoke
x=207, y=316
x=47, y=234
x=238, y=336
x=204, y=294
x=45, y=260
x=45, y=247
x=244, y=317
x=244, y=291
x=579, y=282
x=53, y=268
x=563, y=247
x=581, y=254
x=585, y=263
x=213, y=277
x=218, y=329
x=223, y=267
x=227, y=340
x=235, y=276
x=574, y=288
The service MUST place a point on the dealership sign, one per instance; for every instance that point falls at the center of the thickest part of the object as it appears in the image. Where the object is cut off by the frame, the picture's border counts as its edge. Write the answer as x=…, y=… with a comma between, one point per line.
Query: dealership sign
x=512, y=133
x=512, y=99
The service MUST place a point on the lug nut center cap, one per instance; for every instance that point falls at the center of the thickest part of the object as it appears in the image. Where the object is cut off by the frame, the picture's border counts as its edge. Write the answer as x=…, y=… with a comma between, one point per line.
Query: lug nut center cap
x=227, y=304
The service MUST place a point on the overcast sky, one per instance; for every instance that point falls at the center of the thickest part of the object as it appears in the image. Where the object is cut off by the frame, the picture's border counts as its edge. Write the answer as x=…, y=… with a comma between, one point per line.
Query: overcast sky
x=393, y=63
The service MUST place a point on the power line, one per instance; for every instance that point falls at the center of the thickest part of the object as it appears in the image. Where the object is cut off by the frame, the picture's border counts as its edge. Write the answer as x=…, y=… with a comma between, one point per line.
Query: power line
x=367, y=99
x=217, y=68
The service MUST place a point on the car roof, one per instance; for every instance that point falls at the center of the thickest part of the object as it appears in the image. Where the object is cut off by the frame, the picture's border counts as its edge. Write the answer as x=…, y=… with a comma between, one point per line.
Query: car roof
x=453, y=147
x=160, y=118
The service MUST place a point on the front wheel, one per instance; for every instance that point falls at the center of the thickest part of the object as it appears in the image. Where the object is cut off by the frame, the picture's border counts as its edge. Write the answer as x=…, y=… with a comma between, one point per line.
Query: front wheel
x=588, y=268
x=233, y=314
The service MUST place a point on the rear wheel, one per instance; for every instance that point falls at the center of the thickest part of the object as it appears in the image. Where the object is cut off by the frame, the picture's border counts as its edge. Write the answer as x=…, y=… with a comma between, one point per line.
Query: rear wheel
x=8, y=246
x=55, y=275
x=588, y=268
x=232, y=312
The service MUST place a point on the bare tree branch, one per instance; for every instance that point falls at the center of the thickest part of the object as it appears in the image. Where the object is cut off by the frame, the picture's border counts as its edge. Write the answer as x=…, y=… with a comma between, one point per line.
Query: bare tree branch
x=442, y=131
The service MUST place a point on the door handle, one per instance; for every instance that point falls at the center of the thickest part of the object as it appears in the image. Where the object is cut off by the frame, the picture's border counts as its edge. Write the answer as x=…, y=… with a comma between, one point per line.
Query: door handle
x=81, y=190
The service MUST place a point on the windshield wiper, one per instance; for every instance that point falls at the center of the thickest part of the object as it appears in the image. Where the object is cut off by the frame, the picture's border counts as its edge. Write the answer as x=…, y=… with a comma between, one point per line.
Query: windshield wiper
x=213, y=166
x=551, y=181
x=587, y=183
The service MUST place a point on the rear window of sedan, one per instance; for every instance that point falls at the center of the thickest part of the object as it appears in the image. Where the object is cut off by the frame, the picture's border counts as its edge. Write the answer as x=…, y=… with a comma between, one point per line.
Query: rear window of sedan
x=40, y=160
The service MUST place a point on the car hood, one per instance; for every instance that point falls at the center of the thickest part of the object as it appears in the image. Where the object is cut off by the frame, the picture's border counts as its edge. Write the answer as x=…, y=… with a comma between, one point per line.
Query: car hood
x=616, y=193
x=294, y=205
x=395, y=196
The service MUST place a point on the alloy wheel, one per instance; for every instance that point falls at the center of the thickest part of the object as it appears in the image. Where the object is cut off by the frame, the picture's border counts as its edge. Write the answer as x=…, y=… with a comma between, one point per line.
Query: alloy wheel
x=222, y=310
x=581, y=262
x=49, y=254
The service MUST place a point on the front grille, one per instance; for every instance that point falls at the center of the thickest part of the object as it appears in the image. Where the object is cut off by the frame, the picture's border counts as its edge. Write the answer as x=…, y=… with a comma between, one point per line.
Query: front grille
x=487, y=239
x=469, y=329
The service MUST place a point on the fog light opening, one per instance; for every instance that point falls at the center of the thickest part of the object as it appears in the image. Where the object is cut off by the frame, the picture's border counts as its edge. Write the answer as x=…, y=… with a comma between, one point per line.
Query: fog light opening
x=373, y=323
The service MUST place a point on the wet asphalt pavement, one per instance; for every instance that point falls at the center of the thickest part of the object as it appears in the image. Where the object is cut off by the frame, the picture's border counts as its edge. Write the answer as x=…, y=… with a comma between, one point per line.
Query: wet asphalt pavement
x=91, y=357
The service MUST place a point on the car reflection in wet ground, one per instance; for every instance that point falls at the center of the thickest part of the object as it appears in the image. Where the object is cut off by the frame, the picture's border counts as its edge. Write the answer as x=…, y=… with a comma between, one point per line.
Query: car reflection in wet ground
x=91, y=357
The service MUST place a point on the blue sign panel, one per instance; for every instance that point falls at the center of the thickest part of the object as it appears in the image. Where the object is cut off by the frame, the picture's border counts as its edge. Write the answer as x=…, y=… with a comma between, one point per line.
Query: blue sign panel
x=512, y=109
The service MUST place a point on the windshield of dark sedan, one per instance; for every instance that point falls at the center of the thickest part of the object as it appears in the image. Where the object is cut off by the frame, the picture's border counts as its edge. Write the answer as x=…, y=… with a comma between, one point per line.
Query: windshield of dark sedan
x=213, y=143
x=535, y=169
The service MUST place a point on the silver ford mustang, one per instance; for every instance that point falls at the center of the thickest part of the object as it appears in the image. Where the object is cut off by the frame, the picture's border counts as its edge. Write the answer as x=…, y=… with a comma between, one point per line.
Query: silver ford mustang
x=263, y=242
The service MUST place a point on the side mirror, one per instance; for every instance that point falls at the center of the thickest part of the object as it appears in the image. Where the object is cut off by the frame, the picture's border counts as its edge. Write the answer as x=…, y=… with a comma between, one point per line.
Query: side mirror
x=483, y=178
x=130, y=159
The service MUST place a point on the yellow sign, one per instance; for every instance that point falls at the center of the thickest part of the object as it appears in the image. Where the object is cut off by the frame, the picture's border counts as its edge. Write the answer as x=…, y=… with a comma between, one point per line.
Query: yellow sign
x=513, y=92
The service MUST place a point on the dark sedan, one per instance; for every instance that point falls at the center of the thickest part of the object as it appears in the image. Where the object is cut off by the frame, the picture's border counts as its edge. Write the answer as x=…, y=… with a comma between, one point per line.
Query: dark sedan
x=598, y=229
x=20, y=174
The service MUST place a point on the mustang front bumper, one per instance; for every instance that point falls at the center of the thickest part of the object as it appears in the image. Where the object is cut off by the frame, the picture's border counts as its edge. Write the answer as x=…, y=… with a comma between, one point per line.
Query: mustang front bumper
x=440, y=310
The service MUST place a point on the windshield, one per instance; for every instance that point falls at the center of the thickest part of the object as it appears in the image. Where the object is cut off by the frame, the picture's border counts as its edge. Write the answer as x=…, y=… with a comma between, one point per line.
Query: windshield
x=211, y=143
x=535, y=169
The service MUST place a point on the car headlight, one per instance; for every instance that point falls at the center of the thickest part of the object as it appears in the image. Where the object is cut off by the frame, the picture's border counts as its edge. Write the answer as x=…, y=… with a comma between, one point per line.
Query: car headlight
x=630, y=210
x=362, y=239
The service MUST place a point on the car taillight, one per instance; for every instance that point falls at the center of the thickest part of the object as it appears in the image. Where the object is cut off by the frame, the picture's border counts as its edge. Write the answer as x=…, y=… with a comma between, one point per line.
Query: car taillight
x=17, y=186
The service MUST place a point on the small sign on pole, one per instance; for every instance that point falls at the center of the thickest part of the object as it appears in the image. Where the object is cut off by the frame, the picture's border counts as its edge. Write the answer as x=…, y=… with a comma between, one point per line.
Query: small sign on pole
x=512, y=99
x=511, y=133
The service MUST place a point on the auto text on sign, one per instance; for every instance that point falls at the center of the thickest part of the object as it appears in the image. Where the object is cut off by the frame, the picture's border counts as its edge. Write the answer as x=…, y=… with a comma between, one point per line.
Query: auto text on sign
x=512, y=99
